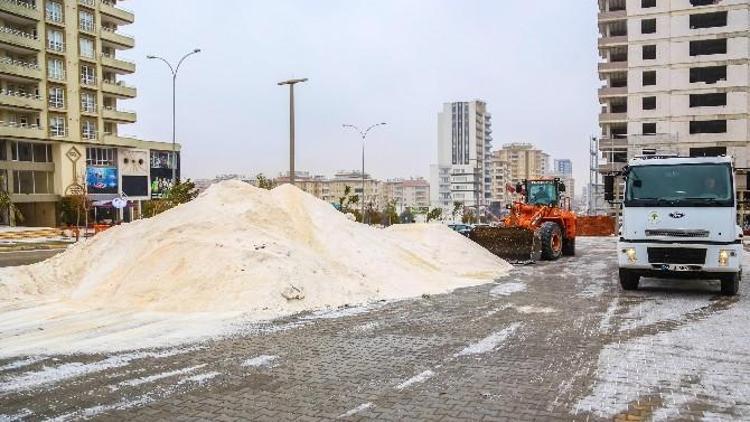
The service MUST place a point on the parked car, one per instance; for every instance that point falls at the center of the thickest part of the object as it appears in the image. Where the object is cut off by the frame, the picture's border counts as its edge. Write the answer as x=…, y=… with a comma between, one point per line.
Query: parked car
x=463, y=229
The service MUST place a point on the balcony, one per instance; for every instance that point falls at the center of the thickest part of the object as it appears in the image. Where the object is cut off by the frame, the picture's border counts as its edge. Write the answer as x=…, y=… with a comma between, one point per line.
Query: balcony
x=20, y=130
x=610, y=144
x=123, y=16
x=609, y=41
x=109, y=34
x=612, y=15
x=22, y=9
x=118, y=89
x=613, y=117
x=9, y=66
x=19, y=38
x=21, y=100
x=122, y=66
x=613, y=92
x=613, y=167
x=620, y=66
x=88, y=3
x=109, y=113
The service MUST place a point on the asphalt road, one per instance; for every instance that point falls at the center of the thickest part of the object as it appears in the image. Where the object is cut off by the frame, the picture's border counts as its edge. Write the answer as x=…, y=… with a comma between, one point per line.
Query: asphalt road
x=11, y=259
x=552, y=341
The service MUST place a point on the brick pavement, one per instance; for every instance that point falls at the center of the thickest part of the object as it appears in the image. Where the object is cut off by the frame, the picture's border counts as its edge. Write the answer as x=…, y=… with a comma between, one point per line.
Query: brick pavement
x=568, y=344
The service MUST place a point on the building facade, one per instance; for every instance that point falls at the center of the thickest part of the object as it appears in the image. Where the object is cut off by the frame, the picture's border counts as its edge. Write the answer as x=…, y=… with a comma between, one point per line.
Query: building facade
x=501, y=182
x=463, y=173
x=411, y=193
x=675, y=79
x=61, y=109
x=525, y=161
x=563, y=166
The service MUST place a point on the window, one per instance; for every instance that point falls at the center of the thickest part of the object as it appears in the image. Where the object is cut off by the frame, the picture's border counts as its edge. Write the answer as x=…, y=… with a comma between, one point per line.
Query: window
x=88, y=102
x=702, y=2
x=55, y=41
x=649, y=52
x=708, y=100
x=708, y=47
x=708, y=74
x=55, y=69
x=57, y=126
x=708, y=152
x=100, y=157
x=88, y=130
x=40, y=153
x=646, y=4
x=708, y=126
x=649, y=128
x=54, y=11
x=56, y=97
x=88, y=75
x=648, y=26
x=649, y=103
x=708, y=20
x=87, y=48
x=32, y=182
x=649, y=78
x=86, y=20
x=24, y=181
x=22, y=151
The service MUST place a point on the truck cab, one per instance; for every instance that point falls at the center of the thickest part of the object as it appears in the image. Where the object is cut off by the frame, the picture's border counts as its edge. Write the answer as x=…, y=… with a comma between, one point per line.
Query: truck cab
x=679, y=220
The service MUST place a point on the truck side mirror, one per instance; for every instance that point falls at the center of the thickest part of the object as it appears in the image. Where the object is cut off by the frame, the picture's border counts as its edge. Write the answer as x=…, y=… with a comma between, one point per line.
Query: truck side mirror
x=609, y=188
x=561, y=187
x=519, y=188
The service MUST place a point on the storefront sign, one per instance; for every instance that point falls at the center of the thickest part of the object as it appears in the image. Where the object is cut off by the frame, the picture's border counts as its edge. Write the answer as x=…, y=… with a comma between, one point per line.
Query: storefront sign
x=101, y=180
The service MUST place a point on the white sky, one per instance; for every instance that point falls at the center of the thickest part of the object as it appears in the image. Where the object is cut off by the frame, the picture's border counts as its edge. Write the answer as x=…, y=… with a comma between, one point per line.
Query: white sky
x=368, y=61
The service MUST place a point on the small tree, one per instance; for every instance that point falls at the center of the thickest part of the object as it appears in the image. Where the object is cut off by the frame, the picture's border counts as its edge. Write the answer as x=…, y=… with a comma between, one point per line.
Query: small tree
x=407, y=217
x=457, y=208
x=6, y=204
x=264, y=182
x=390, y=215
x=434, y=214
x=180, y=193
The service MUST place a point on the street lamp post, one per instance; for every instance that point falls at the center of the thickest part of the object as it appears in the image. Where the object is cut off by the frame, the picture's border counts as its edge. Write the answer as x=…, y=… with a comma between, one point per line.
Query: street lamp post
x=291, y=84
x=363, y=134
x=174, y=70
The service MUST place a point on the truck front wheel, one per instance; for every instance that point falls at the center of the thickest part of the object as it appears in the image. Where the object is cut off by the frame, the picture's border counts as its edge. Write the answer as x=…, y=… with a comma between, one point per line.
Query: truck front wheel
x=630, y=280
x=730, y=284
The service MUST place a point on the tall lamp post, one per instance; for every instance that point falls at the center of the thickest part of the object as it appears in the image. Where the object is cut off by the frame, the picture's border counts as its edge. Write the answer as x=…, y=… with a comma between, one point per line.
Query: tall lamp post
x=363, y=134
x=174, y=70
x=291, y=84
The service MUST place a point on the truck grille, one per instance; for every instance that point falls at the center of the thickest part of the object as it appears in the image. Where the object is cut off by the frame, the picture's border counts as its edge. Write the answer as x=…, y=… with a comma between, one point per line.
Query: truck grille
x=677, y=233
x=684, y=256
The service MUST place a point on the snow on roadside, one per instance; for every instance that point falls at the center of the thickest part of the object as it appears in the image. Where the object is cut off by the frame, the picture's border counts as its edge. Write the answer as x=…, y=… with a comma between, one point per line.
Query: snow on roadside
x=668, y=307
x=489, y=343
x=508, y=288
x=417, y=379
x=260, y=361
x=358, y=409
x=156, y=377
x=199, y=378
x=22, y=363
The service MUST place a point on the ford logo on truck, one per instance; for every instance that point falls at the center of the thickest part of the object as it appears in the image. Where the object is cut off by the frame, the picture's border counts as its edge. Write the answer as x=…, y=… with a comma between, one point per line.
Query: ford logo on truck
x=676, y=214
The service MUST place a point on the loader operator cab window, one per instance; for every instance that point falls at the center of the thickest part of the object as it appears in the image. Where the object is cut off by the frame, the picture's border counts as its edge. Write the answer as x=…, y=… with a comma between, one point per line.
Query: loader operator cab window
x=542, y=193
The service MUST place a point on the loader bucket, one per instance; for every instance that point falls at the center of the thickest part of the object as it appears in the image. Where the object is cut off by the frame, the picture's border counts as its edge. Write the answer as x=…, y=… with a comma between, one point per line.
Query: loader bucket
x=513, y=244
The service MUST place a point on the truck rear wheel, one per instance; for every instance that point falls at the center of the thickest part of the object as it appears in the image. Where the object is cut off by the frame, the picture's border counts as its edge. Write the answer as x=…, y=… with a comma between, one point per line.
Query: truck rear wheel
x=552, y=241
x=730, y=284
x=569, y=247
x=629, y=280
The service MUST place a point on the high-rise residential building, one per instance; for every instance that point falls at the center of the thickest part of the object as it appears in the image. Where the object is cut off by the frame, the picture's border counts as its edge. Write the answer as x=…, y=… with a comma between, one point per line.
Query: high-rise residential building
x=675, y=79
x=462, y=173
x=501, y=181
x=563, y=166
x=526, y=162
x=62, y=108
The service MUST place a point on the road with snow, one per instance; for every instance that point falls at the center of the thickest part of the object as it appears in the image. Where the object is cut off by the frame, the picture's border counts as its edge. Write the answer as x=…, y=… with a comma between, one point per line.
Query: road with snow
x=550, y=341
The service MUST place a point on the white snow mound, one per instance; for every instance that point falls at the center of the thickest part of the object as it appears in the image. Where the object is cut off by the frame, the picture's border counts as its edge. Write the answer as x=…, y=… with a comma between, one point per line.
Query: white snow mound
x=240, y=249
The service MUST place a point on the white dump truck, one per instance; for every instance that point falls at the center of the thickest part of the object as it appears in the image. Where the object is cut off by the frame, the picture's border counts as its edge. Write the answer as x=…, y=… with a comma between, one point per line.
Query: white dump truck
x=679, y=220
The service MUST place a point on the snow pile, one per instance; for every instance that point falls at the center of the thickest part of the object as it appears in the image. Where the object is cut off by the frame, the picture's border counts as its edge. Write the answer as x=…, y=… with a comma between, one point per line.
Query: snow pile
x=237, y=249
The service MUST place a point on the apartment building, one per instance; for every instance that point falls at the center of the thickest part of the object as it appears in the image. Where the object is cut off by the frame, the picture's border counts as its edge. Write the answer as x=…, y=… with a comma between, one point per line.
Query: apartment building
x=411, y=193
x=501, y=181
x=525, y=161
x=63, y=106
x=563, y=166
x=675, y=79
x=463, y=173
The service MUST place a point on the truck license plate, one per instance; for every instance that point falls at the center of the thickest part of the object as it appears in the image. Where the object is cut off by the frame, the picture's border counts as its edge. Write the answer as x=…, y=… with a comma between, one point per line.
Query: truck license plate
x=668, y=267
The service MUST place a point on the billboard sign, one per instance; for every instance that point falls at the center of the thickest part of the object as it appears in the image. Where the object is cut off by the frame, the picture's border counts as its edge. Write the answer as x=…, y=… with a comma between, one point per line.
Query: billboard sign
x=101, y=180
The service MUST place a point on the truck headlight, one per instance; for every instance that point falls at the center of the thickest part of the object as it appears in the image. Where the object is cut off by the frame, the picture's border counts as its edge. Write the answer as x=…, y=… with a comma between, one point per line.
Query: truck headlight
x=724, y=256
x=630, y=253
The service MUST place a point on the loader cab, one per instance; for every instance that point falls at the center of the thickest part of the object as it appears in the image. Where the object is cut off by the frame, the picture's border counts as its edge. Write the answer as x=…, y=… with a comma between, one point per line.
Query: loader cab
x=542, y=192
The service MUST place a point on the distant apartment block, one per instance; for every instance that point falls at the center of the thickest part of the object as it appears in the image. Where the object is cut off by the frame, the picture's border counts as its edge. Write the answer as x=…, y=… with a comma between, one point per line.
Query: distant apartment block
x=525, y=161
x=62, y=107
x=675, y=79
x=463, y=171
x=563, y=166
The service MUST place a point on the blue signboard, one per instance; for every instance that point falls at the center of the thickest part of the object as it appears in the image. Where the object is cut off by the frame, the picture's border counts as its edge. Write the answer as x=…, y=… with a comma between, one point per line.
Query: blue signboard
x=101, y=180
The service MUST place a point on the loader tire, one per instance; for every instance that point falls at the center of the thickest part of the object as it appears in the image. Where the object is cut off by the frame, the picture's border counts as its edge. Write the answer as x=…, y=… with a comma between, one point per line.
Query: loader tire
x=552, y=241
x=569, y=247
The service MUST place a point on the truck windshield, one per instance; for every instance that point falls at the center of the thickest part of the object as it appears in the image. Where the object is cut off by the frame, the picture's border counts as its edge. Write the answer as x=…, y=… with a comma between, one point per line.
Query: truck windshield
x=542, y=193
x=692, y=185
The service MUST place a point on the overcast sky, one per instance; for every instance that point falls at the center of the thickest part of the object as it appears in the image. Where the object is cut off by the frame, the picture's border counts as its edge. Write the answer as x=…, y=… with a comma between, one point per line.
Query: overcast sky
x=533, y=62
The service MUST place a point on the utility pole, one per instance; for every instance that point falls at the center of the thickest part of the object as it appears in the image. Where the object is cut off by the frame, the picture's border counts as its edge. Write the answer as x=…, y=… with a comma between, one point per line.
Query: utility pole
x=291, y=84
x=363, y=134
